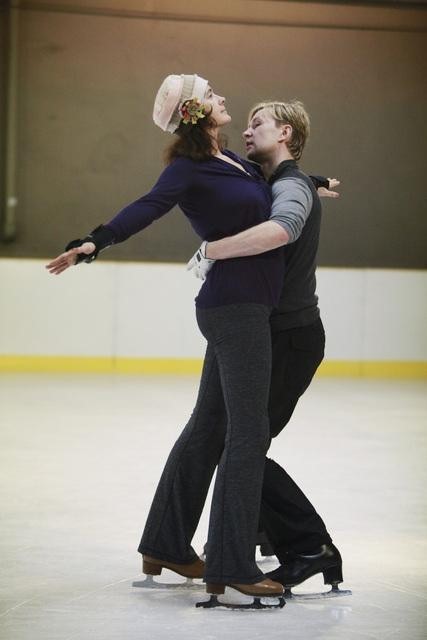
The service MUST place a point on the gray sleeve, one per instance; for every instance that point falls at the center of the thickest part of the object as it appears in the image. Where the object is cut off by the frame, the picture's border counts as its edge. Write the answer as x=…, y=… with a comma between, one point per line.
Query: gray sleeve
x=292, y=202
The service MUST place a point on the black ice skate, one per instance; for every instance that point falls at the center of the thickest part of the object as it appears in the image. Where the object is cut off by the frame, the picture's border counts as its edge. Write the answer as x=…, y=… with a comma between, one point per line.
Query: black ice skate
x=266, y=589
x=153, y=567
x=301, y=566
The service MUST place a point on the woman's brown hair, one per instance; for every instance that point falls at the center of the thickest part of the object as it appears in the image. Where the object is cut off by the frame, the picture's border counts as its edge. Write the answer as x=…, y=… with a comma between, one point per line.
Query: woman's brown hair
x=195, y=141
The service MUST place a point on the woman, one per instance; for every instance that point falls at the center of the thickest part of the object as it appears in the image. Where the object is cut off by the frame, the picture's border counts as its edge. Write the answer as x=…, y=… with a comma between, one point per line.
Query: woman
x=220, y=194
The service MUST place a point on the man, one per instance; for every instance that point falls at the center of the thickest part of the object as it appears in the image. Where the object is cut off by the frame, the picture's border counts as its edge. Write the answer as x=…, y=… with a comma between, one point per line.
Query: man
x=275, y=139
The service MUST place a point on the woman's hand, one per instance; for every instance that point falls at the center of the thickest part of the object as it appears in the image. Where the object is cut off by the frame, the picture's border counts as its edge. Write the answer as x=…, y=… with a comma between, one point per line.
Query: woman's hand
x=329, y=193
x=68, y=258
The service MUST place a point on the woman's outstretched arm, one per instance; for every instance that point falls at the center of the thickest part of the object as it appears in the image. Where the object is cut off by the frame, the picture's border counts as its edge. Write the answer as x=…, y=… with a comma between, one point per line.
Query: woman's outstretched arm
x=135, y=217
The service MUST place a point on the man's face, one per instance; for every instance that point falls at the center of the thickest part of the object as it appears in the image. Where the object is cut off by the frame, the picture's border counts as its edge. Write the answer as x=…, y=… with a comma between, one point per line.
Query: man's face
x=263, y=136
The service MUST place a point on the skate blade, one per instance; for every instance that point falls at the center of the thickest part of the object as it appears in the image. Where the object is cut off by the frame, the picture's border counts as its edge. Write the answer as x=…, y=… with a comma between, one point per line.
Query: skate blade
x=257, y=603
x=335, y=592
x=150, y=583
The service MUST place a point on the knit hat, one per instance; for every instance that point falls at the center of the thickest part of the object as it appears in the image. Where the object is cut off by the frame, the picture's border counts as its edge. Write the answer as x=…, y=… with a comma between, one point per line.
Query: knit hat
x=173, y=92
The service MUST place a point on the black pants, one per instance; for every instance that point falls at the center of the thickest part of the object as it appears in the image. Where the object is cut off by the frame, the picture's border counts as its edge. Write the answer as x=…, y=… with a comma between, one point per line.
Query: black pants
x=287, y=516
x=228, y=430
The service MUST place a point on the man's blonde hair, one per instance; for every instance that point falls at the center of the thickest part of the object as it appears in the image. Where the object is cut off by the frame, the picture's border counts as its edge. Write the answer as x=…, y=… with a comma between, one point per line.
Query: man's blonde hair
x=292, y=113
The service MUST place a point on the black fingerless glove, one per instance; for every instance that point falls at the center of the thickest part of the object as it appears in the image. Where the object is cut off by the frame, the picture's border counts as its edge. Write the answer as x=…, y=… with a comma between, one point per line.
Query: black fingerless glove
x=319, y=181
x=101, y=237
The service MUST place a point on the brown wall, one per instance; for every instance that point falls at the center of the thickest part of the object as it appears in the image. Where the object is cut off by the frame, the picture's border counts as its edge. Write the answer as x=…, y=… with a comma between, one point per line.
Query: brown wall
x=87, y=144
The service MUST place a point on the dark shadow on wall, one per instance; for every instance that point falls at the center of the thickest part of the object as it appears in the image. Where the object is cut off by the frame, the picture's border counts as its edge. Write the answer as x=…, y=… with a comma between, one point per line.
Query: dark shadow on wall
x=3, y=50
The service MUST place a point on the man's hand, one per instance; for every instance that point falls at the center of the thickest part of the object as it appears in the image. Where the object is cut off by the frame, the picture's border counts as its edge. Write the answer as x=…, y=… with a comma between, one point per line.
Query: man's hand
x=329, y=193
x=199, y=263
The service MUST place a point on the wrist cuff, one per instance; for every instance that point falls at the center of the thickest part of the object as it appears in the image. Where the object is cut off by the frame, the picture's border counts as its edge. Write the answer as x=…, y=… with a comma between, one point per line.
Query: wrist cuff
x=320, y=181
x=102, y=237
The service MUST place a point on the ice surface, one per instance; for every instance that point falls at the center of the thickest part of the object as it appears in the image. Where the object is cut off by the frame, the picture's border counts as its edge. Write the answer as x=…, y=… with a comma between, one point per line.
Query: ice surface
x=80, y=458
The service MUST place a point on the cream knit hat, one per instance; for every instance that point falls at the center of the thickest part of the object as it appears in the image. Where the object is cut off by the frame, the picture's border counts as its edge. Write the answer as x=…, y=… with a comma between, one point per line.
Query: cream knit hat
x=173, y=92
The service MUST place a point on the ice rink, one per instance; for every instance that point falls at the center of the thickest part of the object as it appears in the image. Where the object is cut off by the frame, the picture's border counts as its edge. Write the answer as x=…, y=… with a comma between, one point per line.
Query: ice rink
x=80, y=458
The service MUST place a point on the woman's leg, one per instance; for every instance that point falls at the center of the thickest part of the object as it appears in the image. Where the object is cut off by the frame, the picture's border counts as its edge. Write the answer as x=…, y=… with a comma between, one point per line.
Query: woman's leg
x=240, y=336
x=183, y=486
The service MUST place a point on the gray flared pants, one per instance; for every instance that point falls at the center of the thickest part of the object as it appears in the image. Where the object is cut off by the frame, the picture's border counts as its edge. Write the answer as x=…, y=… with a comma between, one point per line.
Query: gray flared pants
x=228, y=430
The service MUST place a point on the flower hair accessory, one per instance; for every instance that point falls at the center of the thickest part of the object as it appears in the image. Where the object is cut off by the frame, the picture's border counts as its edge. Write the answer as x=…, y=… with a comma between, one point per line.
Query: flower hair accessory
x=191, y=111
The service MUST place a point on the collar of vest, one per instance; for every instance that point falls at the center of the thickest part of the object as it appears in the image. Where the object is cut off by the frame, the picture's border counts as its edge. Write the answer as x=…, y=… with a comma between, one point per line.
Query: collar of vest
x=281, y=169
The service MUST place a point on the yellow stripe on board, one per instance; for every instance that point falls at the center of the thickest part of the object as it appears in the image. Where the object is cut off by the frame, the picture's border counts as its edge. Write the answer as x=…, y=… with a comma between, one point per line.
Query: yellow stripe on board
x=79, y=364
x=373, y=369
x=183, y=366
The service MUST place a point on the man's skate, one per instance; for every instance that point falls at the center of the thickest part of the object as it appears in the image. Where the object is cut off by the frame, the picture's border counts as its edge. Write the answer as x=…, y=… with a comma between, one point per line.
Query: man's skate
x=301, y=566
x=264, y=590
x=153, y=567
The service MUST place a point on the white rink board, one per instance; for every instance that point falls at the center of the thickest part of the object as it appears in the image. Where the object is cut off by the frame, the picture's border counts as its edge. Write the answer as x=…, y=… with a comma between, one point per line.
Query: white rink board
x=146, y=310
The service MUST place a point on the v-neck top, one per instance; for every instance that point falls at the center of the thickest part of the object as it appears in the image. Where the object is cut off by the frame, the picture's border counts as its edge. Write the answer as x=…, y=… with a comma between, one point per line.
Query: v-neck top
x=219, y=200
x=231, y=164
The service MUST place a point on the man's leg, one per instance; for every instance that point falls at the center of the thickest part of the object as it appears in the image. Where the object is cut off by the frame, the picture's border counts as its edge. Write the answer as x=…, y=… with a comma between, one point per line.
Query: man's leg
x=287, y=516
x=296, y=355
x=296, y=531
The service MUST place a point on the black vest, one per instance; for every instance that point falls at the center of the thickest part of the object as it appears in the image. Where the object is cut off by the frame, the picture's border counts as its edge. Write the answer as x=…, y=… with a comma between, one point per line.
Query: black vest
x=298, y=302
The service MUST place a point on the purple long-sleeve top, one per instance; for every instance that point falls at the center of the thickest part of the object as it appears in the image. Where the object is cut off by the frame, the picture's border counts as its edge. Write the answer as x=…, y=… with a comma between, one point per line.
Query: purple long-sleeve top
x=219, y=200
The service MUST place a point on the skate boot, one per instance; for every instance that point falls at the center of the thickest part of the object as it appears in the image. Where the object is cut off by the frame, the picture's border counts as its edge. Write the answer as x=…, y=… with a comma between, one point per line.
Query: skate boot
x=153, y=567
x=301, y=566
x=264, y=589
